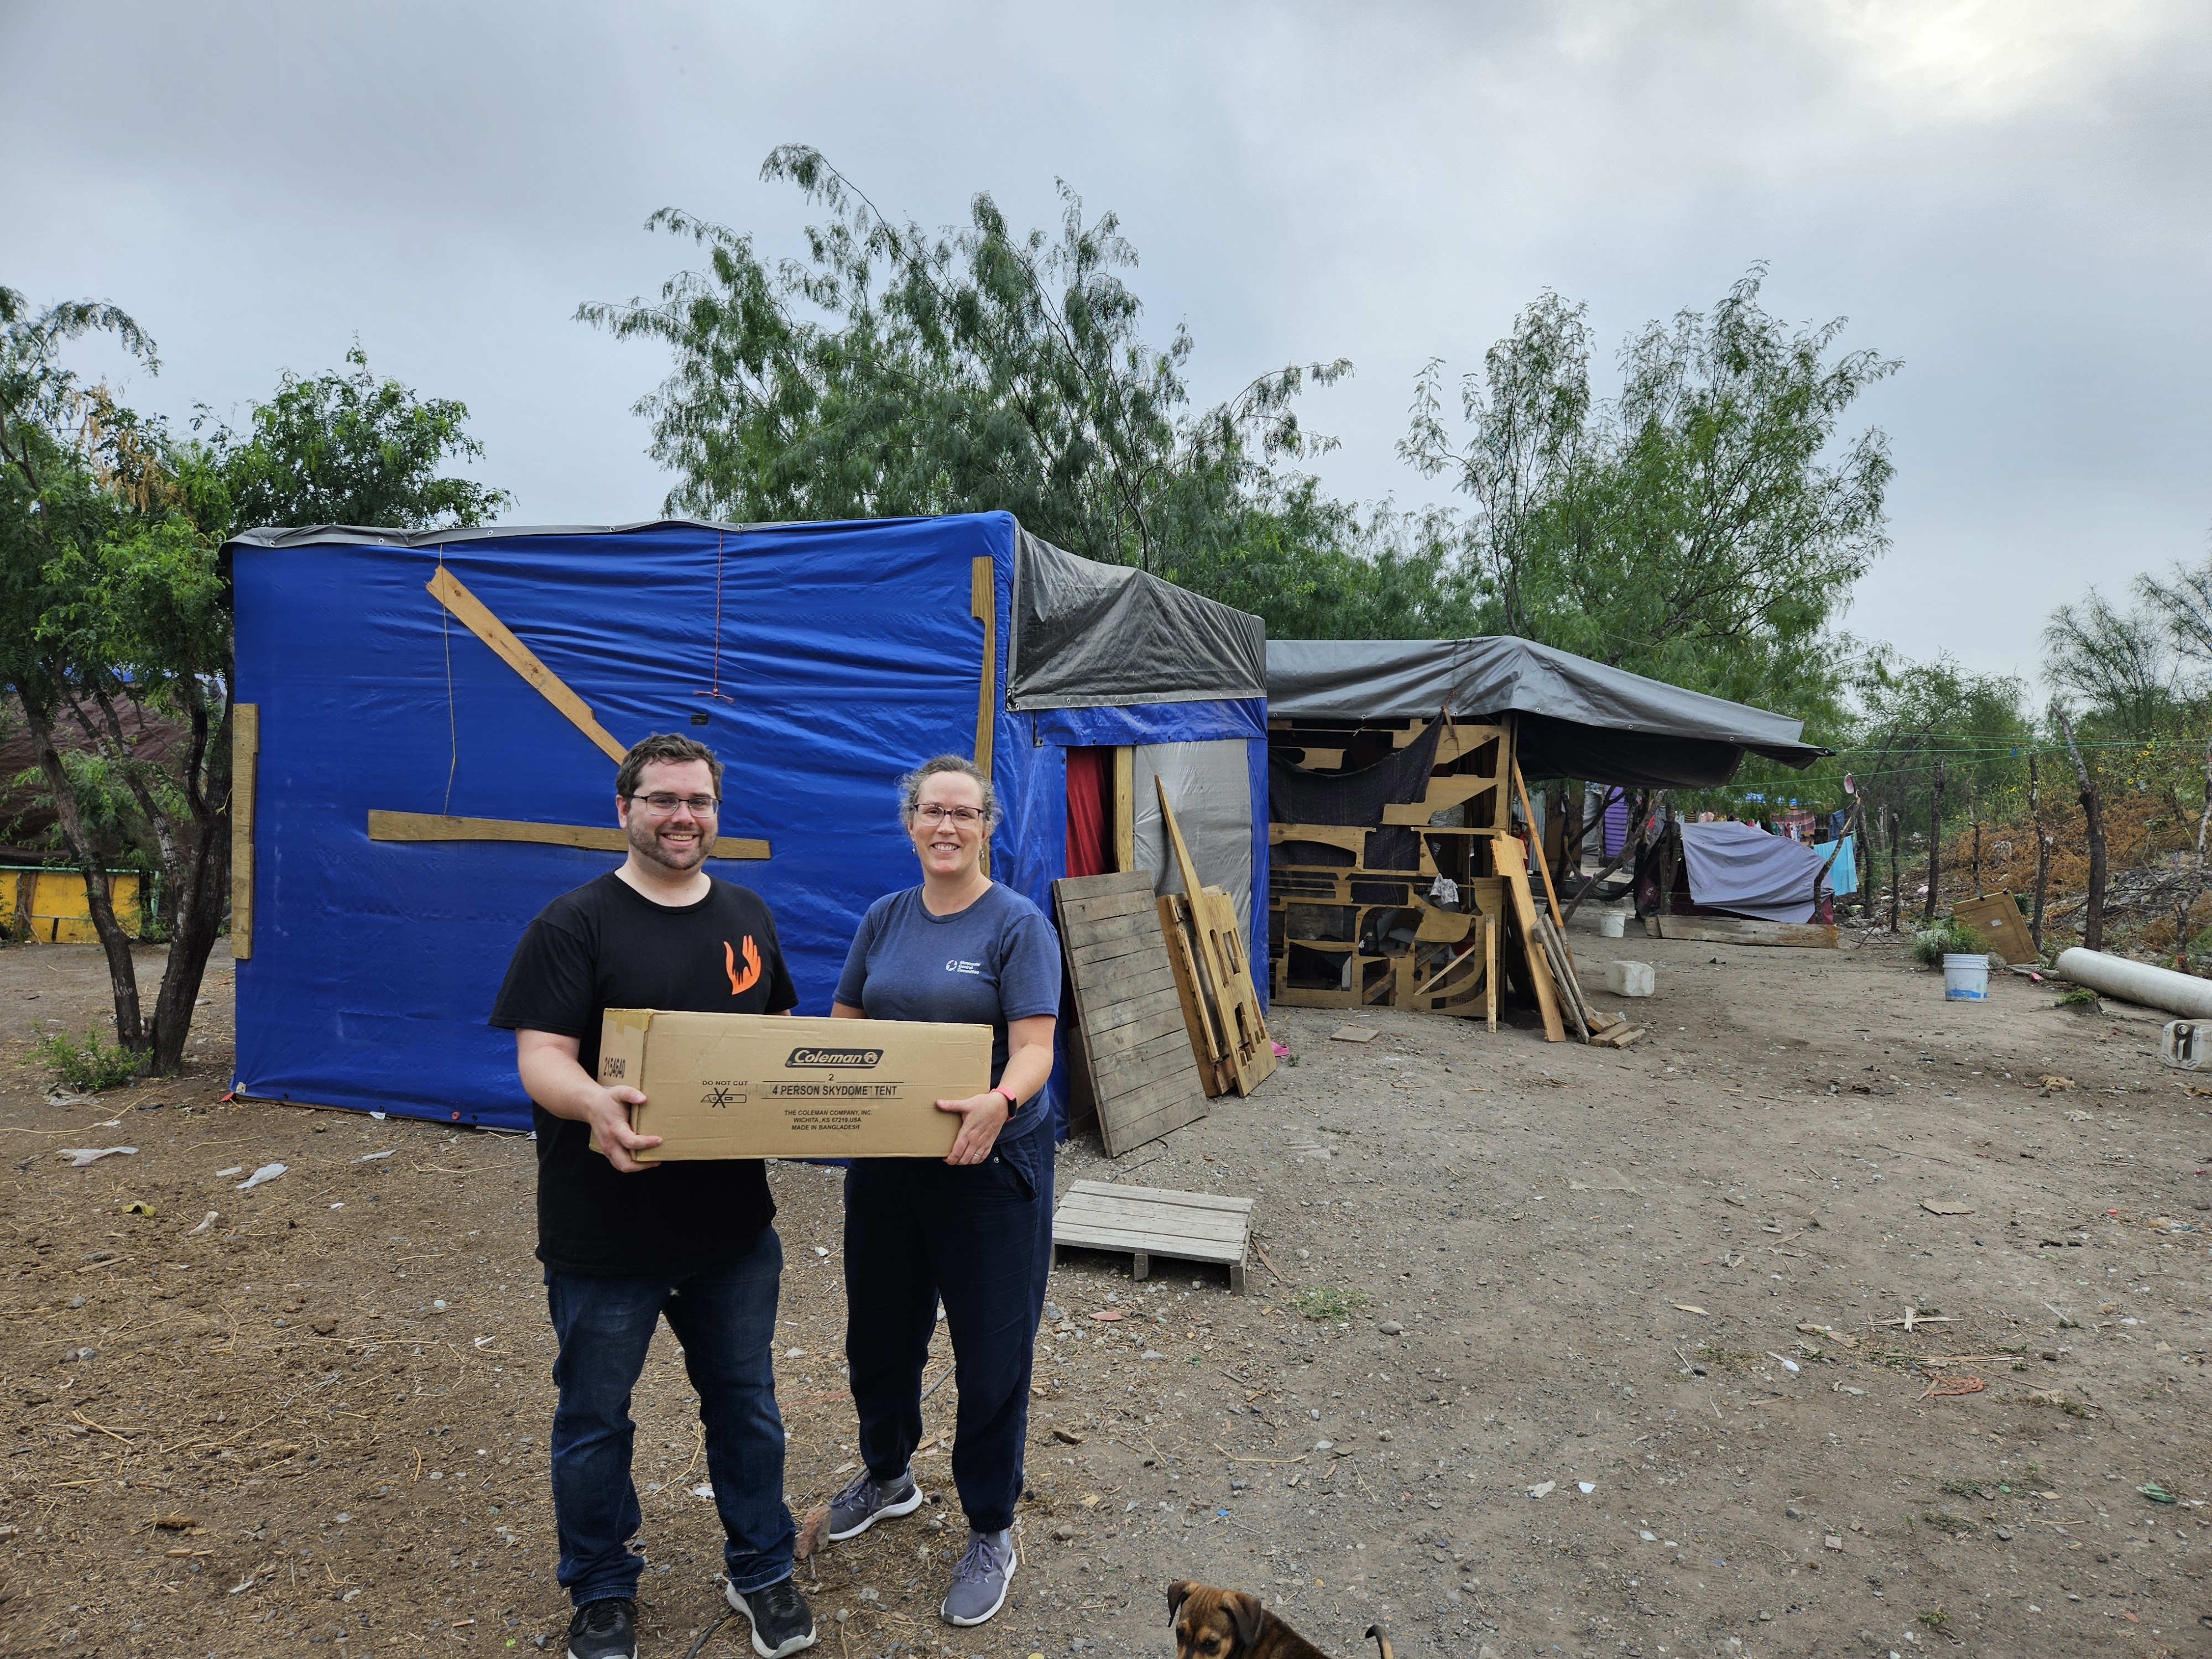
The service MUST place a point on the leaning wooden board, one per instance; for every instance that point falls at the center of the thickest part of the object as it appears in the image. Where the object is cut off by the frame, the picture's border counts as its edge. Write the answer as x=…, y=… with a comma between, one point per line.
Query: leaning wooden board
x=1150, y=1221
x=1224, y=973
x=1129, y=1036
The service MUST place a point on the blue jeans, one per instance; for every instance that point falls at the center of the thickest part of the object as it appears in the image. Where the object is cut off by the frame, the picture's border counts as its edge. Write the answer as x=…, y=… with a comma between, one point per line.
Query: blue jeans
x=978, y=1236
x=725, y=1317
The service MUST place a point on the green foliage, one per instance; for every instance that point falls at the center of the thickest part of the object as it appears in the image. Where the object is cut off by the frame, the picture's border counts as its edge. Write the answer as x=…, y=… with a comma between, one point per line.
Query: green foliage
x=1703, y=527
x=1954, y=937
x=894, y=371
x=2080, y=996
x=349, y=449
x=1329, y=1304
x=88, y=1065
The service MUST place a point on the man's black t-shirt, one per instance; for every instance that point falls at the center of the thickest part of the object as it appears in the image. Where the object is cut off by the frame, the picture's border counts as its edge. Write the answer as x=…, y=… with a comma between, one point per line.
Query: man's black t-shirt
x=606, y=945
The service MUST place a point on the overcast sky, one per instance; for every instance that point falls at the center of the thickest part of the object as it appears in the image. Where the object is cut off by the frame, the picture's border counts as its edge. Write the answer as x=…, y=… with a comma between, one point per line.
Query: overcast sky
x=2012, y=195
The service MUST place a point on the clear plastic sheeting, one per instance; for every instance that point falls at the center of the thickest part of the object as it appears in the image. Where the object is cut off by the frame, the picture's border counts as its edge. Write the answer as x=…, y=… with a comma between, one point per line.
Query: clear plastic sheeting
x=1210, y=786
x=1741, y=868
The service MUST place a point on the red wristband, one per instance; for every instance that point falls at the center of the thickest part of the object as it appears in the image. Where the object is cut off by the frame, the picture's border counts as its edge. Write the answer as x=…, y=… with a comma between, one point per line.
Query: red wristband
x=1012, y=1104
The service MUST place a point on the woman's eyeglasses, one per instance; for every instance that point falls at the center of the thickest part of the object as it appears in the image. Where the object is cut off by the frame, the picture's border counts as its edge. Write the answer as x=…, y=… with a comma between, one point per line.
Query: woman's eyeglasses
x=931, y=812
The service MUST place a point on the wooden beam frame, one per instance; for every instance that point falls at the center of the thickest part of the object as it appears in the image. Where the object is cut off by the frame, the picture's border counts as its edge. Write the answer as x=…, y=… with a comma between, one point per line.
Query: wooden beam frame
x=598, y=838
x=473, y=615
x=245, y=771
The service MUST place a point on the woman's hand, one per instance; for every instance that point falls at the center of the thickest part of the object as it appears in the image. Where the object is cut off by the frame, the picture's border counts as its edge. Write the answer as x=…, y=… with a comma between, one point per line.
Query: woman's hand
x=981, y=1117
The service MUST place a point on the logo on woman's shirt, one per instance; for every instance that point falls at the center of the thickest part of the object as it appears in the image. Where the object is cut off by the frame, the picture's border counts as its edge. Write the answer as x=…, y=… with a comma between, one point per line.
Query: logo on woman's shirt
x=955, y=966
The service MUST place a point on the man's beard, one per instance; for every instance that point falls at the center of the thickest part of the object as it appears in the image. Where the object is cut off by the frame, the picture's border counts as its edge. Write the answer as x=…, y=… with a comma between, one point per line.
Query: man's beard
x=645, y=841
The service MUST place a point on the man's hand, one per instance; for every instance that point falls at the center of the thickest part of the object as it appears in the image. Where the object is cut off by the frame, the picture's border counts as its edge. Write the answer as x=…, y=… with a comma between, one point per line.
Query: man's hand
x=981, y=1117
x=553, y=1077
x=618, y=1141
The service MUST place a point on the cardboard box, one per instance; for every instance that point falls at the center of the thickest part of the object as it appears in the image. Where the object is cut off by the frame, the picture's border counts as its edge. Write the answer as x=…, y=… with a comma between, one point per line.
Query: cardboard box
x=2000, y=923
x=769, y=1086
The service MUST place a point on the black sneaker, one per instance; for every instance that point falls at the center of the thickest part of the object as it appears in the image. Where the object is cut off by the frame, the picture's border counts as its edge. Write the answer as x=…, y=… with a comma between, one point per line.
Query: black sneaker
x=604, y=1629
x=782, y=1620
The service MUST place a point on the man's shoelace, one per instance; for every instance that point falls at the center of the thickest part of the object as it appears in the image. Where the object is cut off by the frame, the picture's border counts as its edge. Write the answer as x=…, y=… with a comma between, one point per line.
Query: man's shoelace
x=867, y=1490
x=981, y=1561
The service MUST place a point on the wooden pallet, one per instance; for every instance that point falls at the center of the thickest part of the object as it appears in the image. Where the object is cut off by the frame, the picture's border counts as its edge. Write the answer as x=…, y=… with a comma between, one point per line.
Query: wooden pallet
x=1229, y=1002
x=1131, y=1052
x=1150, y=1221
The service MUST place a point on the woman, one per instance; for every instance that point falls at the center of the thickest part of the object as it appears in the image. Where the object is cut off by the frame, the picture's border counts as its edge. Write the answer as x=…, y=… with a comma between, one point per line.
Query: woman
x=974, y=1230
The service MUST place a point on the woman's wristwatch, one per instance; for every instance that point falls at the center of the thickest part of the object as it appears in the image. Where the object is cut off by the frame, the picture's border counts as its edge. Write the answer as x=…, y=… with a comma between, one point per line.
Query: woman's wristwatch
x=1014, y=1104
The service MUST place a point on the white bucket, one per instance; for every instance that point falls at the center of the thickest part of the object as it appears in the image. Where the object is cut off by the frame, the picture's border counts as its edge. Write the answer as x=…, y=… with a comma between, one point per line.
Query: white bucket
x=1611, y=924
x=1966, y=977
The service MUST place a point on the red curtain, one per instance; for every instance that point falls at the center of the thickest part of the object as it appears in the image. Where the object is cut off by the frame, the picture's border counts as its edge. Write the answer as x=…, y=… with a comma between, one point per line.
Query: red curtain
x=1087, y=772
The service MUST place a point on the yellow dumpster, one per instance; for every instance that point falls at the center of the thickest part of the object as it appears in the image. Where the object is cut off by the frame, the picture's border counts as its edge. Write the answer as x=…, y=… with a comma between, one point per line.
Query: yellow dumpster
x=52, y=907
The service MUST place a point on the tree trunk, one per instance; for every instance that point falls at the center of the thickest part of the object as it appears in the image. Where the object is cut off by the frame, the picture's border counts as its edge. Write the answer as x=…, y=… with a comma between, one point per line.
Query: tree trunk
x=122, y=971
x=2042, y=854
x=1935, y=848
x=1896, y=875
x=200, y=885
x=2092, y=813
x=2196, y=875
x=1974, y=812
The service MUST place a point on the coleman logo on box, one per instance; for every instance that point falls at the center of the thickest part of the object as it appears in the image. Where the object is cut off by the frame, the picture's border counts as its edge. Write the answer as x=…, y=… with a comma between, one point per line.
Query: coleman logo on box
x=835, y=1057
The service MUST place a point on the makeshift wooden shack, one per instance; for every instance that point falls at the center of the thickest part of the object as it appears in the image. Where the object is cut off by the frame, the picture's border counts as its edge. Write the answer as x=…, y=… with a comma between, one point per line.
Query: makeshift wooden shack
x=1394, y=768
x=429, y=722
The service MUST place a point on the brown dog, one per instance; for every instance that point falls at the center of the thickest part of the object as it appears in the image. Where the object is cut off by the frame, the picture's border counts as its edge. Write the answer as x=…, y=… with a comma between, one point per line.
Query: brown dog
x=1220, y=1623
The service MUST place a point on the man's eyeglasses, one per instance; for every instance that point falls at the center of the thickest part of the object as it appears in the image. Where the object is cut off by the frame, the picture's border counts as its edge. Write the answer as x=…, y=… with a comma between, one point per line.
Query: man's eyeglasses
x=931, y=812
x=701, y=805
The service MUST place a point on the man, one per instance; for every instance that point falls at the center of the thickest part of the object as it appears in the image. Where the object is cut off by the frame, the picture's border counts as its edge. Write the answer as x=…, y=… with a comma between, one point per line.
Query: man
x=624, y=1242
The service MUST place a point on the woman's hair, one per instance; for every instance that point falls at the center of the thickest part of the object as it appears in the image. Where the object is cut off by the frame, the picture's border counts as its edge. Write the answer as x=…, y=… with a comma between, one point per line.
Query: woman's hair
x=910, y=786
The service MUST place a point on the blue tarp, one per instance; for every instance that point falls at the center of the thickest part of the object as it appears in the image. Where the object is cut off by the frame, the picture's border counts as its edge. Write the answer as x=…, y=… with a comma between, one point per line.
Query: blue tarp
x=845, y=655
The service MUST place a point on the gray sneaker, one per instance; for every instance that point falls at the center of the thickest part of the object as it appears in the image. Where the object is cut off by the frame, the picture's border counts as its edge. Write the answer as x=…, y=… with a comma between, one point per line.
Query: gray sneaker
x=981, y=1581
x=869, y=1500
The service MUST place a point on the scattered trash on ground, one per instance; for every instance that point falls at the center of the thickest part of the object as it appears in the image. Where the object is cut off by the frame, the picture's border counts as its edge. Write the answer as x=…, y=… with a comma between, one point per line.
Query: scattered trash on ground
x=267, y=1172
x=81, y=1156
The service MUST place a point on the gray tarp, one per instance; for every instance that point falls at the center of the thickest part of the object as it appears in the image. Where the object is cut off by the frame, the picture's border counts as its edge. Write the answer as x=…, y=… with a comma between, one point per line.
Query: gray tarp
x=1089, y=635
x=1579, y=719
x=1739, y=867
x=1210, y=786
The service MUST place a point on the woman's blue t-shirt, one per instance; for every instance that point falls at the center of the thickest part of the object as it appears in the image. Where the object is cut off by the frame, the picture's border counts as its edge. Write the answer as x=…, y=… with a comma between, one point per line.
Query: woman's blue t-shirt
x=996, y=961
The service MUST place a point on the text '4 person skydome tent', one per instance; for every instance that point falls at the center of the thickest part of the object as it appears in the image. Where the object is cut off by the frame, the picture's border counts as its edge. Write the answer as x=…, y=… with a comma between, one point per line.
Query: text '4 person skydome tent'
x=429, y=724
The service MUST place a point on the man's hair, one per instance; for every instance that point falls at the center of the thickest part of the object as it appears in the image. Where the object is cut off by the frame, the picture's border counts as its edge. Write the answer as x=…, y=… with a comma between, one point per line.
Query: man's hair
x=910, y=786
x=666, y=746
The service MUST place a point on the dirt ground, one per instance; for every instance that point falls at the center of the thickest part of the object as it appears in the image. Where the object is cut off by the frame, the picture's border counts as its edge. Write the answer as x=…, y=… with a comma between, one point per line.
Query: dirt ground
x=1621, y=1361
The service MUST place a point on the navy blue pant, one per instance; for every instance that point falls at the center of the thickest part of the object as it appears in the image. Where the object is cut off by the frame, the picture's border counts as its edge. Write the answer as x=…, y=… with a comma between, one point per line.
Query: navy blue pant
x=979, y=1235
x=725, y=1317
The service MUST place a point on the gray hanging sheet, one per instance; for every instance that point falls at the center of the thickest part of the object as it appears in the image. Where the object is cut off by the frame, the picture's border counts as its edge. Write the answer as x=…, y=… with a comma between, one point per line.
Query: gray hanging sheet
x=1739, y=867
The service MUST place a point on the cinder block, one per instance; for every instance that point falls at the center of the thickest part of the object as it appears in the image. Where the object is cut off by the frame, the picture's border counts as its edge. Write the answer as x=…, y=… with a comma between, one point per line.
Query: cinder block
x=1629, y=979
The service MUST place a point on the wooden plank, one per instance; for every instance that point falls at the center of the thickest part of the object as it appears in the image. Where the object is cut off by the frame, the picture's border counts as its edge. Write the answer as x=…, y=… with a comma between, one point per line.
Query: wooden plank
x=1172, y=1219
x=1524, y=913
x=1177, y=1249
x=473, y=615
x=1543, y=865
x=245, y=774
x=1125, y=809
x=1224, y=974
x=431, y=826
x=1731, y=930
x=984, y=606
x=1444, y=794
x=1162, y=1195
x=1129, y=1021
x=1352, y=840
x=1205, y=1040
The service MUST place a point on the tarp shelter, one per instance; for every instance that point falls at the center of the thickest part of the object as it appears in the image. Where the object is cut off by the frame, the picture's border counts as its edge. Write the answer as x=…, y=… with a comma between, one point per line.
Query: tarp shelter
x=1741, y=869
x=430, y=724
x=1574, y=718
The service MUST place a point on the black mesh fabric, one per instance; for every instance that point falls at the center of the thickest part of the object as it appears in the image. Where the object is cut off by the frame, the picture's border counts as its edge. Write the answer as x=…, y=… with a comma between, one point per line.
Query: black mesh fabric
x=1355, y=799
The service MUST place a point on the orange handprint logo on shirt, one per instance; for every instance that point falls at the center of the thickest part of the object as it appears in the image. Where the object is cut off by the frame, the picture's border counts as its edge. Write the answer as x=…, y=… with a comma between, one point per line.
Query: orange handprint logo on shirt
x=744, y=981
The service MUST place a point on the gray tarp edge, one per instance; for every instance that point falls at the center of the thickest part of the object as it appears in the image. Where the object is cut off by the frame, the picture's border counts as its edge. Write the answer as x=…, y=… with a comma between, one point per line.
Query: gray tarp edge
x=1090, y=635
x=1412, y=679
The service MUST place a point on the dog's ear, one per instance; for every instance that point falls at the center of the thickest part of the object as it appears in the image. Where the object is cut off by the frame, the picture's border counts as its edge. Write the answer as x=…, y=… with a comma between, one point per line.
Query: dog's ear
x=1244, y=1612
x=1178, y=1593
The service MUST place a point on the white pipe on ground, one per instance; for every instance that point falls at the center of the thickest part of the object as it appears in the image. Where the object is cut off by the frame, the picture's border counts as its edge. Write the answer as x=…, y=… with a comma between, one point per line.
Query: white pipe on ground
x=2138, y=982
